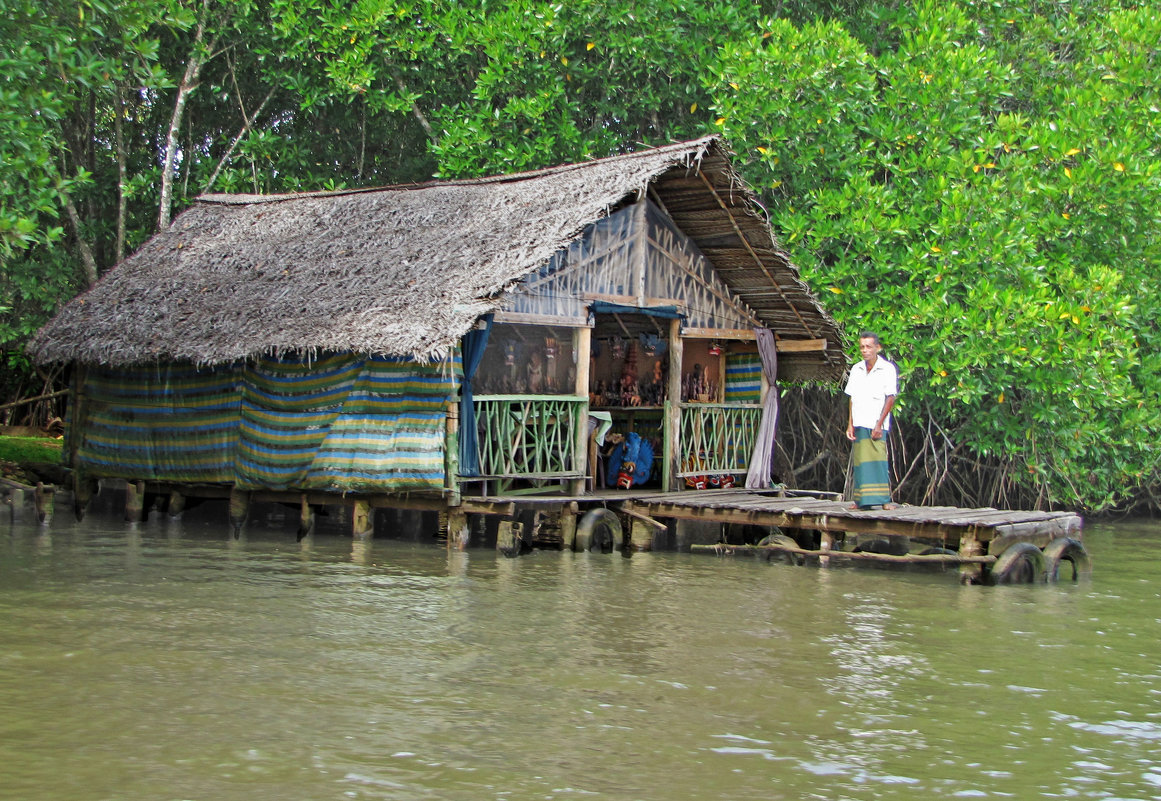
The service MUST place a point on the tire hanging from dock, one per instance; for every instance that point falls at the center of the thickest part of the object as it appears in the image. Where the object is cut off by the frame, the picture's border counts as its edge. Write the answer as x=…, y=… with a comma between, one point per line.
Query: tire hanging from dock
x=1020, y=563
x=598, y=530
x=1066, y=549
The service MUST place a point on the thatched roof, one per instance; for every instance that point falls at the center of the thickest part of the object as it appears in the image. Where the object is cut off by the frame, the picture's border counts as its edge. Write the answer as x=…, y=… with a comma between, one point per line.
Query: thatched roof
x=407, y=270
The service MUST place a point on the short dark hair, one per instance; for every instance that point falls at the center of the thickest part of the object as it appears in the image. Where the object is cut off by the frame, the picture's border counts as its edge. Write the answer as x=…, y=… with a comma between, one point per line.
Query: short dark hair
x=870, y=335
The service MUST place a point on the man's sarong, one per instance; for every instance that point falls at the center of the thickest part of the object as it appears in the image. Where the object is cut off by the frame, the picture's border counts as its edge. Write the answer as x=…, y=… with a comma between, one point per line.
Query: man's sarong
x=872, y=481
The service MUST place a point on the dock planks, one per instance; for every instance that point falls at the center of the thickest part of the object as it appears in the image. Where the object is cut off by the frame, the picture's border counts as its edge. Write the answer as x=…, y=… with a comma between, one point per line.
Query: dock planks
x=943, y=524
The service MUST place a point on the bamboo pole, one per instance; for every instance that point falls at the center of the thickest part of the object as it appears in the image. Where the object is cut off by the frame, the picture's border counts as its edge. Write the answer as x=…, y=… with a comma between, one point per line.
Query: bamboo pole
x=582, y=340
x=672, y=425
x=915, y=558
x=24, y=401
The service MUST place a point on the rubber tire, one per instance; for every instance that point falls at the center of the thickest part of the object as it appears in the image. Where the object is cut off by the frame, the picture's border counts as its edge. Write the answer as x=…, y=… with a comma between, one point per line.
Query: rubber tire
x=1020, y=563
x=935, y=549
x=886, y=546
x=782, y=556
x=598, y=530
x=1066, y=549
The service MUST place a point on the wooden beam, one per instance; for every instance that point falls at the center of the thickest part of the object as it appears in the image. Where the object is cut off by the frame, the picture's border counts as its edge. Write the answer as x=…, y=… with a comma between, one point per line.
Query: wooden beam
x=757, y=259
x=800, y=345
x=719, y=333
x=523, y=318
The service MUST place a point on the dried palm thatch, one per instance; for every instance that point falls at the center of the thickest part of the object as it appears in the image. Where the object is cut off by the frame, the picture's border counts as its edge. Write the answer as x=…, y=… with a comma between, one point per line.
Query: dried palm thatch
x=407, y=270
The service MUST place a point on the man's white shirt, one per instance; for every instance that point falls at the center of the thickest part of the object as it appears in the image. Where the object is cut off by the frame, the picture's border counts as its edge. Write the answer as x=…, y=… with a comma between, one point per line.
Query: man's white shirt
x=869, y=392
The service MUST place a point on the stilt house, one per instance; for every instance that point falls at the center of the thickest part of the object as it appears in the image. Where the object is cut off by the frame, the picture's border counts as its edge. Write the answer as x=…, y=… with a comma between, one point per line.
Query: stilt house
x=447, y=341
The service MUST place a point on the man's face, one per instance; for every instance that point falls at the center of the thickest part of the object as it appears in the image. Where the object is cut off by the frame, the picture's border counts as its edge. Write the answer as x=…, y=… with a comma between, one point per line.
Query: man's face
x=868, y=348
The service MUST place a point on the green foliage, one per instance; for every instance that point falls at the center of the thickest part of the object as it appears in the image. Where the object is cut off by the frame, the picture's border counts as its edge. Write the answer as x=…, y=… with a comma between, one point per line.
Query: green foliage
x=976, y=180
x=989, y=203
x=30, y=450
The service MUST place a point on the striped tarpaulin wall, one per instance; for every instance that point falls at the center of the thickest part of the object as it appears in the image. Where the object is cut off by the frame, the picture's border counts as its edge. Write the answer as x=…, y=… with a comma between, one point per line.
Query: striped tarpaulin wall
x=338, y=422
x=167, y=422
x=345, y=422
x=743, y=378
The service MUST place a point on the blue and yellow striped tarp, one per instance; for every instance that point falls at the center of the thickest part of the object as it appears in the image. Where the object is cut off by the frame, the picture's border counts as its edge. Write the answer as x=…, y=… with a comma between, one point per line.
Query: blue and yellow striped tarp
x=340, y=422
x=743, y=378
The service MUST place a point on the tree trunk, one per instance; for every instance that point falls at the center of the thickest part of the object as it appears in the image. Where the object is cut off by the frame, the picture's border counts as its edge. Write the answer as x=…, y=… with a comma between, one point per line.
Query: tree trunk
x=189, y=82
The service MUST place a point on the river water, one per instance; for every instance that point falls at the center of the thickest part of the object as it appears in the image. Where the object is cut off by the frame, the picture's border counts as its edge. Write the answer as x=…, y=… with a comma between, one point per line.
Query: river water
x=167, y=660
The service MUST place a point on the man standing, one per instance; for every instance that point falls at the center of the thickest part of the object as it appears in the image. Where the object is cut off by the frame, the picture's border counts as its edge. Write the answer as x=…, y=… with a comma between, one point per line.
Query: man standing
x=872, y=386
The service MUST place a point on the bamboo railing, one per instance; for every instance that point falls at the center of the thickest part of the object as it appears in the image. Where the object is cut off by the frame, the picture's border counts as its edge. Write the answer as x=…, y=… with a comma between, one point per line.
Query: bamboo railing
x=717, y=437
x=530, y=436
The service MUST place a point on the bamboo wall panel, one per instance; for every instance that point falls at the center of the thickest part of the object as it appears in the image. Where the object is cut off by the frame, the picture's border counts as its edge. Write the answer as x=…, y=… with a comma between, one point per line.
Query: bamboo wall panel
x=637, y=254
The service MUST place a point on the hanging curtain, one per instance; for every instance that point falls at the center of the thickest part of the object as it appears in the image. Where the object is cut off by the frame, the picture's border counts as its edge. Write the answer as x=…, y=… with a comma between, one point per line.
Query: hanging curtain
x=762, y=460
x=473, y=344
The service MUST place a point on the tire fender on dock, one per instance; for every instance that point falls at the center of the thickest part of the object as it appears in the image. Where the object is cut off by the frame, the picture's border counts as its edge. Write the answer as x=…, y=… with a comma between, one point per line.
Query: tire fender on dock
x=1020, y=563
x=1066, y=549
x=598, y=530
x=784, y=540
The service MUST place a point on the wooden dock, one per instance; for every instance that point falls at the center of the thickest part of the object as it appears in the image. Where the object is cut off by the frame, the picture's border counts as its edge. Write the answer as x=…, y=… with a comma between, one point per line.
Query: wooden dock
x=946, y=525
x=986, y=543
x=970, y=537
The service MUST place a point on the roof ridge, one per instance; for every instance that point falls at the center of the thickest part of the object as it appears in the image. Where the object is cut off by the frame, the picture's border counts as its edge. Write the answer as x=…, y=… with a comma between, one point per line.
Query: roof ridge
x=241, y=199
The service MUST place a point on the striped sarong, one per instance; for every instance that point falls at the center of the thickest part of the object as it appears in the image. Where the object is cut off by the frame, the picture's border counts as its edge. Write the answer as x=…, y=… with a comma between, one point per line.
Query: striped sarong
x=872, y=481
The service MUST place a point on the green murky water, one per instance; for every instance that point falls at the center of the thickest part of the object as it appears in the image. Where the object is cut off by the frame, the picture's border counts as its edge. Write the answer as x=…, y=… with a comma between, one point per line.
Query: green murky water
x=169, y=661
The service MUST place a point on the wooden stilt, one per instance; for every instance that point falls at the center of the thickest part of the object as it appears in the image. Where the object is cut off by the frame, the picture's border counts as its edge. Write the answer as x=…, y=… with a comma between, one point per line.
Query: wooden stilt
x=239, y=508
x=43, y=499
x=362, y=522
x=458, y=534
x=16, y=500
x=176, y=504
x=506, y=538
x=970, y=572
x=134, y=500
x=305, y=519
x=641, y=536
x=83, y=491
x=568, y=517
x=825, y=543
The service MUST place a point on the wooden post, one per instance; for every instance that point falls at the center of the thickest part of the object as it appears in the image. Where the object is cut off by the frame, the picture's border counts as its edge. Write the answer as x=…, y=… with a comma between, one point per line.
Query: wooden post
x=825, y=543
x=641, y=535
x=134, y=500
x=239, y=507
x=16, y=499
x=642, y=248
x=43, y=498
x=176, y=504
x=506, y=540
x=720, y=395
x=582, y=339
x=451, y=458
x=306, y=519
x=362, y=520
x=672, y=426
x=458, y=534
x=83, y=491
x=568, y=519
x=969, y=572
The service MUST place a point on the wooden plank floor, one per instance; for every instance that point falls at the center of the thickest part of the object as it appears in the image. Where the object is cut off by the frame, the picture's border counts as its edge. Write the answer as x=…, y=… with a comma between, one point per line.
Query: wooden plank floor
x=944, y=525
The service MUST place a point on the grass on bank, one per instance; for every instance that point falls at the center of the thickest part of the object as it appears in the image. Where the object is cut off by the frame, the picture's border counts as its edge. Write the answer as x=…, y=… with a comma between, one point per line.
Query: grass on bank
x=30, y=450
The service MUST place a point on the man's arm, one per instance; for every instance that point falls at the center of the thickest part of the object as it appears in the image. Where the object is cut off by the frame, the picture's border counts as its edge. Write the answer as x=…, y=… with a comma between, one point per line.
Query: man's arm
x=888, y=405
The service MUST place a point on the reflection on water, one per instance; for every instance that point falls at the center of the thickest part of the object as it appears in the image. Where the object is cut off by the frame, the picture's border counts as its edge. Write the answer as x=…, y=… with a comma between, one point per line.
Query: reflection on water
x=169, y=660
